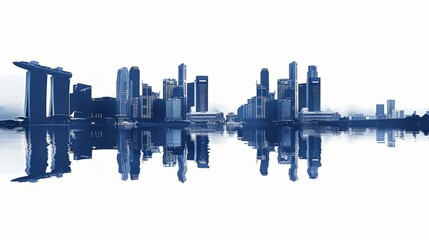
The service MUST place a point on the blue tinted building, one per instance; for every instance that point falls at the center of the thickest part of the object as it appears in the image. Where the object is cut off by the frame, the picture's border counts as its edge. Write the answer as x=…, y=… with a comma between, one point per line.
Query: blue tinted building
x=202, y=93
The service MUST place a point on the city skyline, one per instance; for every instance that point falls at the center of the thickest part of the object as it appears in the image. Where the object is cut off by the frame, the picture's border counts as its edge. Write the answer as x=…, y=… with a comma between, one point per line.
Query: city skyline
x=379, y=56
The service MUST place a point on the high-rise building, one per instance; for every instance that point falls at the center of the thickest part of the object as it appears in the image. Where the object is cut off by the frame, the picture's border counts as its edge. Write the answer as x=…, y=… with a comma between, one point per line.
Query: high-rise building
x=286, y=91
x=146, y=102
x=390, y=108
x=80, y=101
x=265, y=79
x=302, y=96
x=168, y=86
x=134, y=82
x=190, y=96
x=202, y=93
x=122, y=93
x=173, y=109
x=379, y=111
x=183, y=88
x=261, y=99
x=134, y=92
x=313, y=90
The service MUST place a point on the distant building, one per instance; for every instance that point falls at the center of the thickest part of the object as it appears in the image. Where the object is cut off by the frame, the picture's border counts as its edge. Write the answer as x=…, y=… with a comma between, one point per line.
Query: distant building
x=284, y=110
x=313, y=90
x=183, y=86
x=302, y=96
x=358, y=116
x=202, y=93
x=390, y=108
x=80, y=101
x=401, y=114
x=379, y=111
x=103, y=107
x=159, y=111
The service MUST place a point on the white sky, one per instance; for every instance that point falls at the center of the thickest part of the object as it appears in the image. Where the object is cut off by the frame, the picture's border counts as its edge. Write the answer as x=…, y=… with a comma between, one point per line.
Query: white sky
x=366, y=51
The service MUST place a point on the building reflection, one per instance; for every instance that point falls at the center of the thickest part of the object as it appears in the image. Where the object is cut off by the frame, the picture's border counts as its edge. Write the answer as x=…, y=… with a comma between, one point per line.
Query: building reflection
x=39, y=142
x=291, y=145
x=48, y=149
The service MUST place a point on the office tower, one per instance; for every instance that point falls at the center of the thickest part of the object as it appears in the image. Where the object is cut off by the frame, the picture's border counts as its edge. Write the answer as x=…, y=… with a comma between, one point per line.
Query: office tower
x=134, y=82
x=390, y=108
x=379, y=111
x=261, y=99
x=80, y=101
x=265, y=79
x=146, y=102
x=313, y=90
x=190, y=90
x=182, y=77
x=286, y=97
x=122, y=93
x=60, y=85
x=302, y=96
x=35, y=91
x=134, y=92
x=168, y=85
x=202, y=93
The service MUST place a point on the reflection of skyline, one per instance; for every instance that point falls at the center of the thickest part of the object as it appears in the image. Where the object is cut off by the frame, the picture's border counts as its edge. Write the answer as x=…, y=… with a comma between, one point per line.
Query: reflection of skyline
x=134, y=146
x=291, y=145
x=47, y=149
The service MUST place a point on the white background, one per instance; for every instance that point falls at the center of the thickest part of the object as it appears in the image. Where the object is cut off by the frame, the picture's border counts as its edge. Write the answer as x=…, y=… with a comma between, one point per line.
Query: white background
x=366, y=51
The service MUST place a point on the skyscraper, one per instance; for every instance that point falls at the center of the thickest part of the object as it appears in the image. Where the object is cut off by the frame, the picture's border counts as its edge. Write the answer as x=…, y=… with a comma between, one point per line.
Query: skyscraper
x=60, y=102
x=302, y=96
x=146, y=101
x=390, y=108
x=122, y=93
x=265, y=80
x=313, y=90
x=134, y=92
x=134, y=82
x=202, y=93
x=286, y=91
x=183, y=87
x=190, y=99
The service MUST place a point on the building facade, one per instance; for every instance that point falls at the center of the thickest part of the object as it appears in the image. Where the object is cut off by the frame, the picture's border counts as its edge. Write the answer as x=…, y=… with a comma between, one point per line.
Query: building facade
x=202, y=93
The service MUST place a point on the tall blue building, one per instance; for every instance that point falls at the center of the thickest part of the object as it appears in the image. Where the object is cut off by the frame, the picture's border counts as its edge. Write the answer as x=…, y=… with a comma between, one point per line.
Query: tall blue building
x=202, y=93
x=265, y=80
x=190, y=99
x=60, y=85
x=390, y=108
x=261, y=100
x=183, y=87
x=122, y=93
x=379, y=111
x=313, y=90
x=286, y=97
x=293, y=76
x=134, y=92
